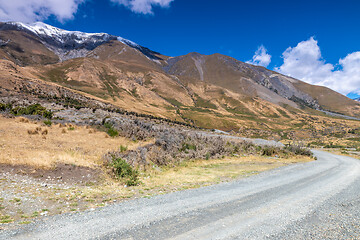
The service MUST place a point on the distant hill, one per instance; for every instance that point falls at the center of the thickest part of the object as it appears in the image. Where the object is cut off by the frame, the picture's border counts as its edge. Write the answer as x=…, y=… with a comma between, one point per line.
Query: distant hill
x=212, y=91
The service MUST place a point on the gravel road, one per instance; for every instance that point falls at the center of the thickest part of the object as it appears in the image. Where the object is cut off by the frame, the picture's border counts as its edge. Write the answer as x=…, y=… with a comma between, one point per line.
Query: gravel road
x=315, y=200
x=255, y=141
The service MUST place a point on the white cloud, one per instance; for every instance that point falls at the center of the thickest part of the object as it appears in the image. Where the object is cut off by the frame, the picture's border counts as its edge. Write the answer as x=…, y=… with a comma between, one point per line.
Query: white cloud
x=143, y=6
x=29, y=11
x=37, y=10
x=305, y=62
x=261, y=57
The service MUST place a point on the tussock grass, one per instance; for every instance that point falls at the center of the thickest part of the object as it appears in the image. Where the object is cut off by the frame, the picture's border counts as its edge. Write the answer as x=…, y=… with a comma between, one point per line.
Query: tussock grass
x=22, y=143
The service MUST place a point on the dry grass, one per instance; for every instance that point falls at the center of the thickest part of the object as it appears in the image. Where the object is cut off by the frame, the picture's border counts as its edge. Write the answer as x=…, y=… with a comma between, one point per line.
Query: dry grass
x=192, y=174
x=200, y=172
x=34, y=144
x=344, y=152
x=79, y=147
x=20, y=207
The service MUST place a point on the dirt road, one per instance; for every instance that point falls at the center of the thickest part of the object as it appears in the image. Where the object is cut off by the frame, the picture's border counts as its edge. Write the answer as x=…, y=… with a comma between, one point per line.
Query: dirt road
x=315, y=200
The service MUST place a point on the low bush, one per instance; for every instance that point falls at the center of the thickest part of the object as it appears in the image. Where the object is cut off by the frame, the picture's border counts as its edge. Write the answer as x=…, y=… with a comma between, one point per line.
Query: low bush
x=32, y=132
x=111, y=131
x=186, y=146
x=48, y=122
x=298, y=150
x=269, y=151
x=24, y=120
x=331, y=145
x=107, y=125
x=5, y=107
x=125, y=171
x=123, y=148
x=34, y=109
x=173, y=147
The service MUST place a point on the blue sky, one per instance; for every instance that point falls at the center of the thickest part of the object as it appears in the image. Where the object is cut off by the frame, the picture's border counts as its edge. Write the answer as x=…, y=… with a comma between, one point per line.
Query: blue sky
x=232, y=27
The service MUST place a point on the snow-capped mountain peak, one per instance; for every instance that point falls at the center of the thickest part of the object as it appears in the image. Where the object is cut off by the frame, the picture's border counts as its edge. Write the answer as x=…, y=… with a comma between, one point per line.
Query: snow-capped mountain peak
x=42, y=29
x=45, y=30
x=72, y=44
x=67, y=44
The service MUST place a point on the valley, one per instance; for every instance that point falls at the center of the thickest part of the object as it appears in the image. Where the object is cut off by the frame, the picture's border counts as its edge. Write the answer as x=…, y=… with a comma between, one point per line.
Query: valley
x=91, y=119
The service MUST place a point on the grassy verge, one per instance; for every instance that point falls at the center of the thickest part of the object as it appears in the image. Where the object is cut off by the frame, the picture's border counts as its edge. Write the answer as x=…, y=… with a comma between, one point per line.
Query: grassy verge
x=354, y=153
x=198, y=173
x=57, y=199
x=44, y=146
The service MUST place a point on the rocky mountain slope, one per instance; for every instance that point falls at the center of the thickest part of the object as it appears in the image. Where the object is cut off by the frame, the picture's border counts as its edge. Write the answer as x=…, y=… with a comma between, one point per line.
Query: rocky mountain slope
x=212, y=91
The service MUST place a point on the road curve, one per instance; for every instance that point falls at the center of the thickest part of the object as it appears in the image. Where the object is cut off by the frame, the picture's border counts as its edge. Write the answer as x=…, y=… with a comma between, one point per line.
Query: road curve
x=315, y=200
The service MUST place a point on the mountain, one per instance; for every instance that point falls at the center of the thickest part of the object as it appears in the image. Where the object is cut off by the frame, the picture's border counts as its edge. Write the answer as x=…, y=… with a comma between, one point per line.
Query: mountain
x=65, y=44
x=212, y=91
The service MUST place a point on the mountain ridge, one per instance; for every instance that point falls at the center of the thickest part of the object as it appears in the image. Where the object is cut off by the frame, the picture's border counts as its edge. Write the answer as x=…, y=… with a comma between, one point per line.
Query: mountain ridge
x=63, y=41
x=201, y=89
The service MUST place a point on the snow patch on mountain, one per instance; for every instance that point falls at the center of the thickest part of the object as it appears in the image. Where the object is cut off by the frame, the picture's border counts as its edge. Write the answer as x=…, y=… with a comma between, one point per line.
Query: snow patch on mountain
x=60, y=35
x=128, y=42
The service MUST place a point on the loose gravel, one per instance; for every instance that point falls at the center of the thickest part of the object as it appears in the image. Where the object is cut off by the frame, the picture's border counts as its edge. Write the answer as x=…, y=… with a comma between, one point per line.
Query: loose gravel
x=315, y=200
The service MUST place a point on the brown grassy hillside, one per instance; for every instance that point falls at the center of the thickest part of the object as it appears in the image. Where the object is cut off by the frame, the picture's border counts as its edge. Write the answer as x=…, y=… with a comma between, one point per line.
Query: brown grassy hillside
x=210, y=91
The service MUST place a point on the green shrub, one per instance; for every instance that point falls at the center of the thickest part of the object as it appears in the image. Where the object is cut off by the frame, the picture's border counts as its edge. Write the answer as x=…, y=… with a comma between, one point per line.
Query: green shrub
x=123, y=148
x=111, y=131
x=34, y=109
x=133, y=180
x=134, y=92
x=108, y=125
x=331, y=145
x=125, y=171
x=200, y=102
x=2, y=107
x=187, y=146
x=47, y=122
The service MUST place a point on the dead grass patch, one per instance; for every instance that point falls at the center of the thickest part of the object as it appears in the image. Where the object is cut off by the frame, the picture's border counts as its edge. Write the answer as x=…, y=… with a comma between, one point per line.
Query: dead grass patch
x=200, y=172
x=24, y=143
